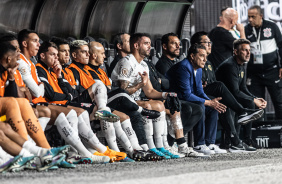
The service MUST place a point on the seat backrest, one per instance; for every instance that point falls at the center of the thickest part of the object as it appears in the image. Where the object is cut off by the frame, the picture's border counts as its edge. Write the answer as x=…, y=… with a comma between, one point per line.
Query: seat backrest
x=158, y=47
x=185, y=46
x=89, y=39
x=106, y=46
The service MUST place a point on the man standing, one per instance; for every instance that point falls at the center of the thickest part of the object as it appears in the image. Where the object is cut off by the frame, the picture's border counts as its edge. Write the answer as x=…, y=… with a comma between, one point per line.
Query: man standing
x=232, y=73
x=264, y=68
x=185, y=79
x=222, y=37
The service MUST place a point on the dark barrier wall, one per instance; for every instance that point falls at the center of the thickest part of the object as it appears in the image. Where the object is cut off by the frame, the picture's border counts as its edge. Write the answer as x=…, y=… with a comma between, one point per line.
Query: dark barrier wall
x=62, y=18
x=17, y=15
x=110, y=17
x=159, y=18
x=97, y=18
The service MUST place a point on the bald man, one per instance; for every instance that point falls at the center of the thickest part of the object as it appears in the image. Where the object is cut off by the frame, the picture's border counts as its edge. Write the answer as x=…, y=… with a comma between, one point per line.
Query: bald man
x=223, y=36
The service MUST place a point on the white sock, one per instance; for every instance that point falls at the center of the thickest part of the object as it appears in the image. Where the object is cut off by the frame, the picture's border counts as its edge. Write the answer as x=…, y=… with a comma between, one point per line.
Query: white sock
x=72, y=119
x=4, y=156
x=88, y=136
x=30, y=140
x=122, y=138
x=91, y=150
x=158, y=125
x=110, y=135
x=43, y=122
x=164, y=136
x=70, y=136
x=100, y=94
x=148, y=127
x=32, y=148
x=144, y=147
x=85, y=116
x=25, y=153
x=127, y=128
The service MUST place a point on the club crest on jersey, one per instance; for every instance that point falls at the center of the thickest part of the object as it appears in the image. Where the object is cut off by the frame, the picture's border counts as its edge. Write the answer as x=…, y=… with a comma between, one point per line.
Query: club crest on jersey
x=267, y=32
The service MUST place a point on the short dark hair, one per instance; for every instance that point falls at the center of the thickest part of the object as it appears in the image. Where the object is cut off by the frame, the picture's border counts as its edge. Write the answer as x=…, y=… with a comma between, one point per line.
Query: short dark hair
x=258, y=8
x=6, y=47
x=117, y=39
x=45, y=47
x=239, y=42
x=196, y=38
x=23, y=35
x=194, y=49
x=8, y=37
x=134, y=38
x=59, y=41
x=165, y=37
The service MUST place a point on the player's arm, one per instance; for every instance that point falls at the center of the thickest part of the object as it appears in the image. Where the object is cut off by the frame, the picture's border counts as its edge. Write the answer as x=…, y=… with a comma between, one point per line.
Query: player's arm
x=132, y=89
x=36, y=90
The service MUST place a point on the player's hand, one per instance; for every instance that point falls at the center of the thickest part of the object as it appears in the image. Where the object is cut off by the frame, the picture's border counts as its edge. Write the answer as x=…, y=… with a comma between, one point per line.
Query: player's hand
x=57, y=68
x=280, y=73
x=260, y=103
x=240, y=27
x=11, y=72
x=204, y=84
x=214, y=103
x=144, y=78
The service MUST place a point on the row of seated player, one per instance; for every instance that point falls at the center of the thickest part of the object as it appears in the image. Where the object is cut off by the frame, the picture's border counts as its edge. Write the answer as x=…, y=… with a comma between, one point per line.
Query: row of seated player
x=69, y=98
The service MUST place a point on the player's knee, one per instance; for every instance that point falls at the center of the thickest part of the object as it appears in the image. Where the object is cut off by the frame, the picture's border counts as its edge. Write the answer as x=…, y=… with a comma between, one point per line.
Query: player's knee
x=147, y=106
x=43, y=111
x=22, y=101
x=159, y=106
x=36, y=112
x=123, y=117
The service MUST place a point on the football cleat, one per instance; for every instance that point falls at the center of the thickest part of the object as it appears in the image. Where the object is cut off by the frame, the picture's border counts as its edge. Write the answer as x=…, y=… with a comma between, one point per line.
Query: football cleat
x=100, y=159
x=106, y=115
x=54, y=164
x=119, y=155
x=127, y=159
x=160, y=153
x=10, y=162
x=24, y=163
x=112, y=158
x=150, y=114
x=166, y=152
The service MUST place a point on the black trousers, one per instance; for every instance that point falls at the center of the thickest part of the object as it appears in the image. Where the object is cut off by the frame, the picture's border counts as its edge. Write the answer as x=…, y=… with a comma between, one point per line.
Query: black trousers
x=269, y=80
x=227, y=119
x=247, y=129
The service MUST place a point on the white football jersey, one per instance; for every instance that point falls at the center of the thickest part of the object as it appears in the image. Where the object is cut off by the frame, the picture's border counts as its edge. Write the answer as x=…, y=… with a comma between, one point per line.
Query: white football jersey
x=128, y=69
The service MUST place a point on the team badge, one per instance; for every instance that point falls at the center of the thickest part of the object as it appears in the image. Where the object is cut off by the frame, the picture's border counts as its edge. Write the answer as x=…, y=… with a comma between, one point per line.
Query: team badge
x=124, y=72
x=210, y=67
x=242, y=74
x=267, y=32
